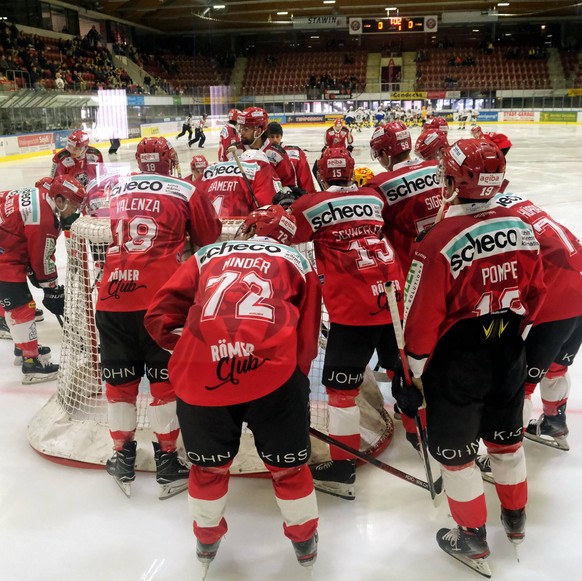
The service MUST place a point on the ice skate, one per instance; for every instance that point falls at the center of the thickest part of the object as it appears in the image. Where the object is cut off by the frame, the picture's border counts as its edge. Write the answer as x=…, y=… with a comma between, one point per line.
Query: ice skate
x=550, y=430
x=513, y=522
x=205, y=553
x=44, y=354
x=122, y=466
x=484, y=464
x=37, y=370
x=397, y=415
x=469, y=546
x=4, y=329
x=306, y=551
x=336, y=477
x=171, y=472
x=38, y=315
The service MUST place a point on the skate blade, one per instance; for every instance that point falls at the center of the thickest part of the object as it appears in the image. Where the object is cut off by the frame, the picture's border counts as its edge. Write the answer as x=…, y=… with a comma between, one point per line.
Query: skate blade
x=557, y=443
x=172, y=489
x=310, y=573
x=204, y=568
x=39, y=378
x=5, y=335
x=516, y=548
x=345, y=491
x=487, y=477
x=478, y=565
x=124, y=486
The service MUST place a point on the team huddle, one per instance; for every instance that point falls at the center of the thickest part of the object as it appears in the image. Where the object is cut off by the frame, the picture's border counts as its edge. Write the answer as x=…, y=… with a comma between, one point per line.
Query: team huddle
x=225, y=331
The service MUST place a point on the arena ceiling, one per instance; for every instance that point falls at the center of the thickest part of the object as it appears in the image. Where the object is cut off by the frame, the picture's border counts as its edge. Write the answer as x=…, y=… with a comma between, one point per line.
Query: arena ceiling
x=244, y=15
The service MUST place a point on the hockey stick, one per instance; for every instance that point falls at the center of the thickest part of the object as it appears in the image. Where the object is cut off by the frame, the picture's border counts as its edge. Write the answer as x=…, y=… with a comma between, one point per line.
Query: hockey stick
x=420, y=432
x=232, y=149
x=369, y=459
x=60, y=320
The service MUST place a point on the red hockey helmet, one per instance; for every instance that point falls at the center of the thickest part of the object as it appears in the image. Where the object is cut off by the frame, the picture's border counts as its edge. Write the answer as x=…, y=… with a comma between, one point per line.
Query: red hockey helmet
x=77, y=143
x=198, y=163
x=336, y=163
x=393, y=138
x=338, y=124
x=233, y=115
x=253, y=117
x=476, y=167
x=156, y=155
x=69, y=188
x=271, y=221
x=437, y=123
x=429, y=143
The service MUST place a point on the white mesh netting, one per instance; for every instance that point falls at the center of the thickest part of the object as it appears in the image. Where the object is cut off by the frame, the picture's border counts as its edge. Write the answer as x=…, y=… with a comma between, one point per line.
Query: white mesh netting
x=72, y=426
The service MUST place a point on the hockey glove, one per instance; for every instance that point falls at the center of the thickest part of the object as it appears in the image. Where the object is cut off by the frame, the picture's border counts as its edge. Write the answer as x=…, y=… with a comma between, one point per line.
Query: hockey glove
x=32, y=277
x=287, y=196
x=408, y=397
x=350, y=148
x=54, y=300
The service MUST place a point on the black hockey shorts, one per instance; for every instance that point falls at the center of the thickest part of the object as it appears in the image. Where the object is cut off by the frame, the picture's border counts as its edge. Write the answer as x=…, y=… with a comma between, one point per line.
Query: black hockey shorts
x=279, y=422
x=127, y=350
x=14, y=294
x=349, y=349
x=553, y=342
x=474, y=388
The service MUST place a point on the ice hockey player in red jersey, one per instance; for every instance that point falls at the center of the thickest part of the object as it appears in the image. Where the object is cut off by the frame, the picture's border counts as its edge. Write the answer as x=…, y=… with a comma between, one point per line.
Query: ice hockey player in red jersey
x=296, y=155
x=252, y=127
x=354, y=261
x=410, y=187
x=229, y=136
x=231, y=194
x=77, y=159
x=198, y=164
x=499, y=139
x=474, y=287
x=339, y=136
x=242, y=319
x=28, y=233
x=151, y=213
x=556, y=336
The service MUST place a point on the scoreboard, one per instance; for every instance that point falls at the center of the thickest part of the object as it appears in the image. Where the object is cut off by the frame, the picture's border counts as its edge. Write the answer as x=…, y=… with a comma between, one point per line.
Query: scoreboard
x=395, y=24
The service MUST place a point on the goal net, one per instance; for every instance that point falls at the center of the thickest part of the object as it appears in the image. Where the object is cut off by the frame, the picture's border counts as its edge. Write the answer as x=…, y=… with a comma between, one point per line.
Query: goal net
x=72, y=426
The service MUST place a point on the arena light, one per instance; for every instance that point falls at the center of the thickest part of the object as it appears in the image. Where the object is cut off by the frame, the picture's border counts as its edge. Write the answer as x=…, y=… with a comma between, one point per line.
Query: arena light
x=219, y=7
x=503, y=3
x=329, y=1
x=282, y=13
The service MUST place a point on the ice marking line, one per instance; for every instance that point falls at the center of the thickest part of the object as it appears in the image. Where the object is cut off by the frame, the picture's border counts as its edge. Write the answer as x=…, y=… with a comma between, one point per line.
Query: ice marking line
x=152, y=571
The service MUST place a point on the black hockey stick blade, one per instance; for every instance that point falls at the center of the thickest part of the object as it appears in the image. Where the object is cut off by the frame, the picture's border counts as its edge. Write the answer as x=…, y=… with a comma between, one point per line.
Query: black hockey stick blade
x=60, y=320
x=369, y=459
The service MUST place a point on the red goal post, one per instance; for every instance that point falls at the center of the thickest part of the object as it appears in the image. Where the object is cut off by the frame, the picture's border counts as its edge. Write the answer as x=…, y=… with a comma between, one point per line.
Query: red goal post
x=72, y=425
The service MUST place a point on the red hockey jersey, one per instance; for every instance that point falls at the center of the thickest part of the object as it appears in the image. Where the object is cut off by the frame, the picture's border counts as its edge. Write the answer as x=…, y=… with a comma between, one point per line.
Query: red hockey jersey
x=562, y=258
x=228, y=136
x=225, y=187
x=341, y=138
x=150, y=216
x=413, y=198
x=281, y=163
x=28, y=235
x=479, y=259
x=353, y=259
x=301, y=166
x=83, y=169
x=250, y=312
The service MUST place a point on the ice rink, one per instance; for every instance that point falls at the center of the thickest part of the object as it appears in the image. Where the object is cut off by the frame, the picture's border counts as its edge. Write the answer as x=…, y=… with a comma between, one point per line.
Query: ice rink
x=68, y=524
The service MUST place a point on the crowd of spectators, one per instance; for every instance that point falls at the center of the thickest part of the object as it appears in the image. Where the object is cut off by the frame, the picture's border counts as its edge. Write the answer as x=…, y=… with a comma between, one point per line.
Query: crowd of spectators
x=327, y=81
x=77, y=64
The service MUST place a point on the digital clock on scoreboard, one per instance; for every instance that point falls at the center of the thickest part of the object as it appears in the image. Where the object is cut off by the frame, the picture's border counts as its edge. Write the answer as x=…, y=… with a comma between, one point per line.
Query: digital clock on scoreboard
x=395, y=24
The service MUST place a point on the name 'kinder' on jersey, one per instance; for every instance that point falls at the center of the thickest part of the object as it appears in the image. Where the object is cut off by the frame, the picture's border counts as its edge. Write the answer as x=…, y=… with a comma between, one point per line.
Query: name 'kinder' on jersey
x=343, y=210
x=489, y=238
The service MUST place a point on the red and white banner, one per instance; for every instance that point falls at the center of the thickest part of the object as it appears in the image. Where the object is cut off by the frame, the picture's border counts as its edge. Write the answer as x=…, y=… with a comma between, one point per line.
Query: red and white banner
x=518, y=116
x=36, y=142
